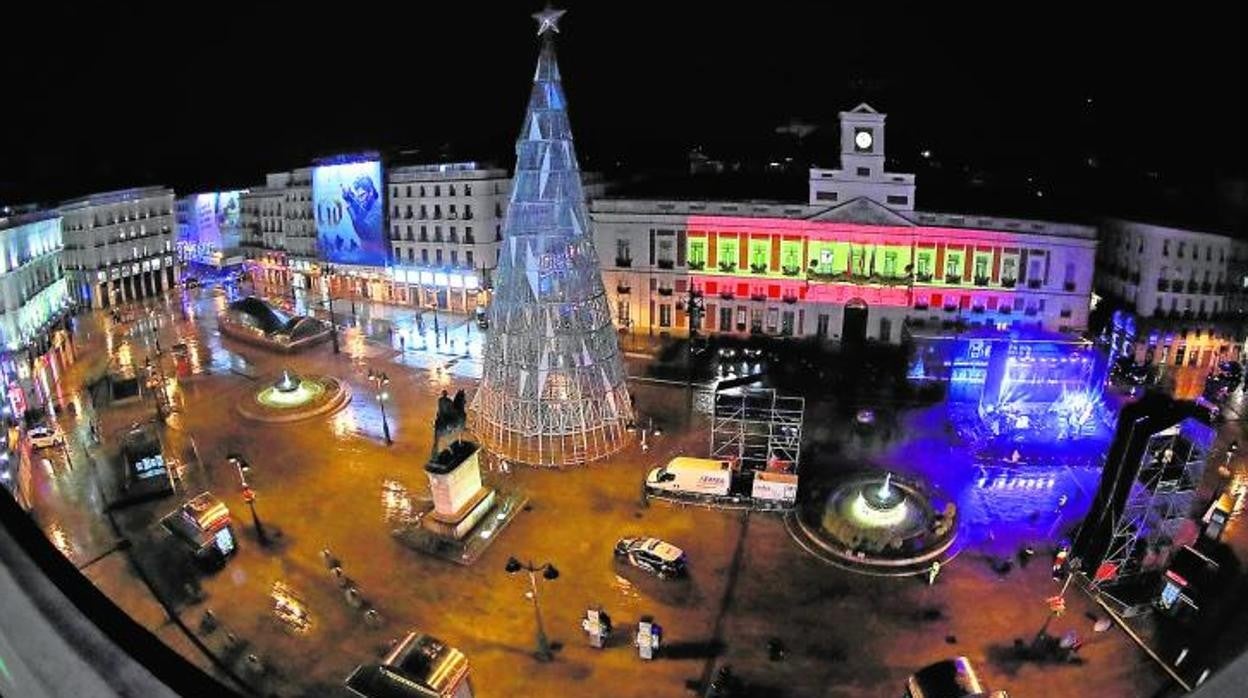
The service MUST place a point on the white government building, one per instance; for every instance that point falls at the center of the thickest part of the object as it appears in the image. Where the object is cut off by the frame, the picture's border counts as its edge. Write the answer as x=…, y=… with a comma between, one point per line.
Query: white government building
x=854, y=261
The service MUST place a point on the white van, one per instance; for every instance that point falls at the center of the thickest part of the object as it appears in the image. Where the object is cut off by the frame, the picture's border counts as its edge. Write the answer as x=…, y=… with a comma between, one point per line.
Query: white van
x=692, y=476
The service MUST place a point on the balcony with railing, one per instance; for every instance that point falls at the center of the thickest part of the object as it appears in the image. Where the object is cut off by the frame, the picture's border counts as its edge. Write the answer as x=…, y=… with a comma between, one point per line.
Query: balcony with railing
x=819, y=275
x=1008, y=282
x=1034, y=283
x=981, y=280
x=666, y=264
x=953, y=278
x=624, y=262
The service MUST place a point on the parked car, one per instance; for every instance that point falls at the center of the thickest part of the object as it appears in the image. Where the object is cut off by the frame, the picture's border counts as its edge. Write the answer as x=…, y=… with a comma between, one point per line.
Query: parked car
x=1231, y=370
x=45, y=437
x=655, y=556
x=1126, y=372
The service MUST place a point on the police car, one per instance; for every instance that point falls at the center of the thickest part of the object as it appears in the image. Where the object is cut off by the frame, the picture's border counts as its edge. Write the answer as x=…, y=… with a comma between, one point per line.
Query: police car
x=652, y=555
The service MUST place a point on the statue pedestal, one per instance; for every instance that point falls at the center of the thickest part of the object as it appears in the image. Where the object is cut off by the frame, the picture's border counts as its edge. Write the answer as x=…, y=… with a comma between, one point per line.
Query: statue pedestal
x=459, y=499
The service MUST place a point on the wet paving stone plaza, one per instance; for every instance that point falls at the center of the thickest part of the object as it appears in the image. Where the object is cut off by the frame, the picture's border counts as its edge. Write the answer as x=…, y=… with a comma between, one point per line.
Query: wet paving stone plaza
x=276, y=620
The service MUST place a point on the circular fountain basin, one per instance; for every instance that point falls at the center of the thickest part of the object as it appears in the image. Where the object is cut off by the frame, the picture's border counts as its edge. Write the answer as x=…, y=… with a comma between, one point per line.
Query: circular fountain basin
x=875, y=522
x=291, y=398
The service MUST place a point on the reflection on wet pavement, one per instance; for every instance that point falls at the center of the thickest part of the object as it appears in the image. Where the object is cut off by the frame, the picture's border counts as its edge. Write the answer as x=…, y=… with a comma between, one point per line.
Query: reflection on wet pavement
x=396, y=505
x=290, y=610
x=626, y=589
x=60, y=539
x=344, y=423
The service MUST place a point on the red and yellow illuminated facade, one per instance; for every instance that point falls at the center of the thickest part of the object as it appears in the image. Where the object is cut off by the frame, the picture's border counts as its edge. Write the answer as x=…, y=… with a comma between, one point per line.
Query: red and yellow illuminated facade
x=857, y=269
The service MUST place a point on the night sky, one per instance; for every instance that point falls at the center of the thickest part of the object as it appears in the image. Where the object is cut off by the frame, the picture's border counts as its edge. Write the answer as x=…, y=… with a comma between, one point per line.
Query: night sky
x=214, y=97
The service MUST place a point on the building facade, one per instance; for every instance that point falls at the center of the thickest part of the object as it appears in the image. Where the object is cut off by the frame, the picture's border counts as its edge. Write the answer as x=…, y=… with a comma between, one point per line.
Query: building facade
x=864, y=267
x=33, y=290
x=446, y=225
x=118, y=246
x=1178, y=293
x=263, y=234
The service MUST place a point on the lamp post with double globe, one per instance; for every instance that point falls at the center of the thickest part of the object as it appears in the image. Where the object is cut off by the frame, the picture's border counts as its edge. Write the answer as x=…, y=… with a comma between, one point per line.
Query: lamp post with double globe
x=549, y=573
x=380, y=381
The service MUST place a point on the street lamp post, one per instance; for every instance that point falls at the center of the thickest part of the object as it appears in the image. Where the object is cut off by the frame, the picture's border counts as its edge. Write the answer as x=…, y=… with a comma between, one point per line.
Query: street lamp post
x=694, y=306
x=437, y=332
x=329, y=291
x=549, y=573
x=380, y=381
x=333, y=321
x=249, y=496
x=243, y=467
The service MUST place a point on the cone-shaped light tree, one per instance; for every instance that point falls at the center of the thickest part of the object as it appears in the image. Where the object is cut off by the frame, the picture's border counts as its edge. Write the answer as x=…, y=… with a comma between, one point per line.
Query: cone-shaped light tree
x=552, y=385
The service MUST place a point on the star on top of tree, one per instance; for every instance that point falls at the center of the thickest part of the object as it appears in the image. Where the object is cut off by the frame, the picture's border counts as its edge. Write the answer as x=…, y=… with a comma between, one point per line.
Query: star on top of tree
x=548, y=19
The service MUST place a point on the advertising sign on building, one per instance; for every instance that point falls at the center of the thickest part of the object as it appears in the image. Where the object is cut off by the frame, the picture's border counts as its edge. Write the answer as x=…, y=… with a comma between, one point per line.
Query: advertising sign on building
x=350, y=212
x=211, y=226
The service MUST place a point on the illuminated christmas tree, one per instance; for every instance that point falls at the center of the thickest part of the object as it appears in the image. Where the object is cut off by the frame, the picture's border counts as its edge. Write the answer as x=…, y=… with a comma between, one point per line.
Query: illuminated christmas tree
x=552, y=387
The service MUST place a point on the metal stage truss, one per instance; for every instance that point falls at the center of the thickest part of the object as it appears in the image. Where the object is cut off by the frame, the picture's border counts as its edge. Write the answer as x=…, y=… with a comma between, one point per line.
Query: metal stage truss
x=1160, y=500
x=756, y=427
x=552, y=386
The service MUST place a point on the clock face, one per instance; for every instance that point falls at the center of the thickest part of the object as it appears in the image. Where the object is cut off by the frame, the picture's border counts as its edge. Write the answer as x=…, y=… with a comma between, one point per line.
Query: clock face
x=863, y=140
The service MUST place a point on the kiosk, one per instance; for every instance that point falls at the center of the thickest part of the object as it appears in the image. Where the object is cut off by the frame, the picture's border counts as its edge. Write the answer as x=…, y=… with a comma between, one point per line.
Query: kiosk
x=203, y=525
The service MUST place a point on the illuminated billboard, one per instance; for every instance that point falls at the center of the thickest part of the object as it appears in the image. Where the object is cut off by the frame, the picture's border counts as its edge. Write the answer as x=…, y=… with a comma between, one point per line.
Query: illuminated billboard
x=213, y=222
x=350, y=212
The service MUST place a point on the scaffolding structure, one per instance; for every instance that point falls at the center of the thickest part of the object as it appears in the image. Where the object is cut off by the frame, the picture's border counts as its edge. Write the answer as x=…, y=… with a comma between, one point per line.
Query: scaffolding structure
x=757, y=428
x=1160, y=500
x=552, y=389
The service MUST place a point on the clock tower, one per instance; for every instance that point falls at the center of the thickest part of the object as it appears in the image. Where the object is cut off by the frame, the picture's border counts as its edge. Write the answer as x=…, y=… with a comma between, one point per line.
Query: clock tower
x=862, y=171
